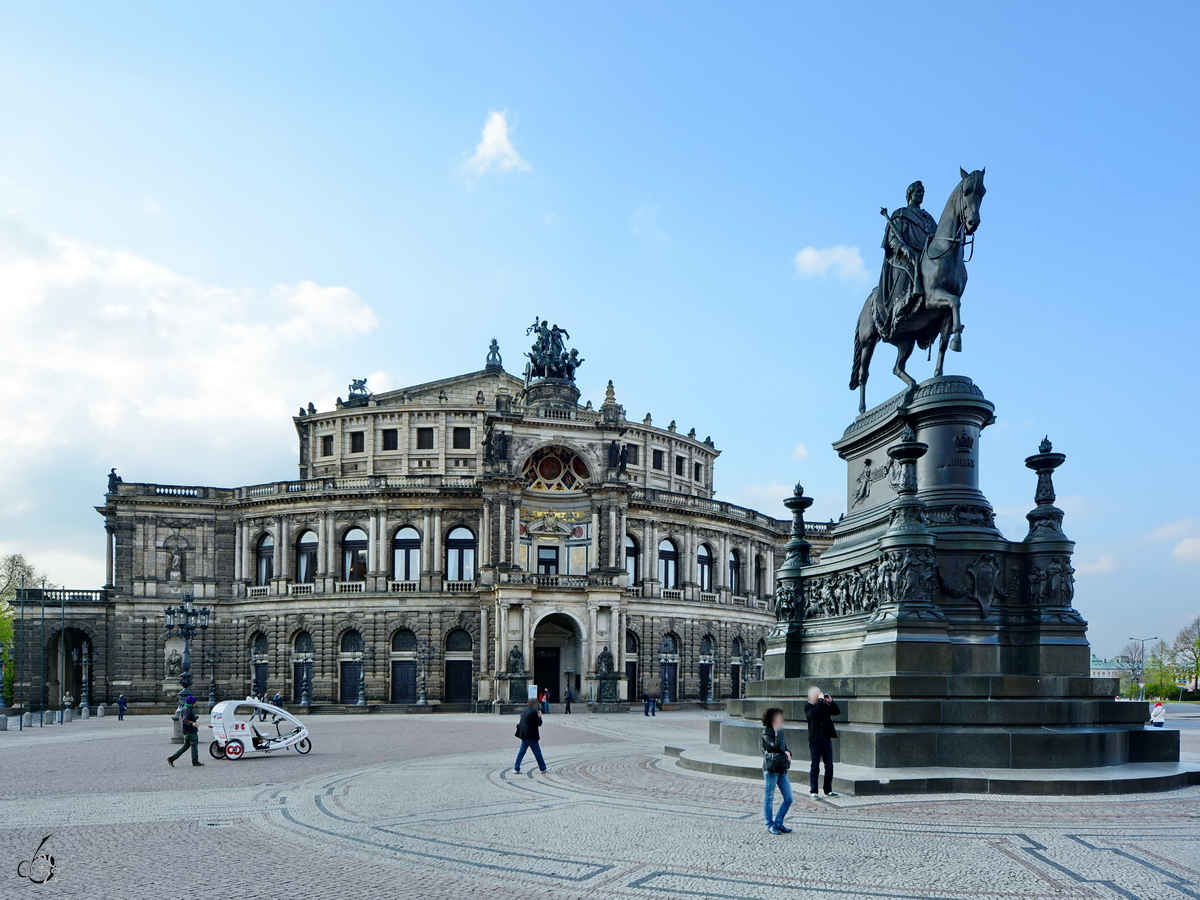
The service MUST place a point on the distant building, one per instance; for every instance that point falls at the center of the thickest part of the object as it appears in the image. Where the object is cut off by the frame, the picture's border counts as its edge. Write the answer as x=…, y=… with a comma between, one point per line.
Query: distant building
x=1109, y=668
x=456, y=536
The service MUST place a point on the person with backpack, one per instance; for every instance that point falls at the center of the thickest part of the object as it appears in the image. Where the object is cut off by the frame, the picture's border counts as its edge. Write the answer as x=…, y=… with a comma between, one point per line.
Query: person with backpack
x=777, y=759
x=122, y=707
x=529, y=731
x=191, y=733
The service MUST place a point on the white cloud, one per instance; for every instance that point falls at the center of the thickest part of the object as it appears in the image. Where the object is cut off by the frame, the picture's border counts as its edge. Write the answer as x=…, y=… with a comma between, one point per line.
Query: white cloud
x=110, y=358
x=1105, y=565
x=150, y=205
x=801, y=452
x=1173, y=531
x=644, y=222
x=847, y=261
x=1187, y=550
x=495, y=151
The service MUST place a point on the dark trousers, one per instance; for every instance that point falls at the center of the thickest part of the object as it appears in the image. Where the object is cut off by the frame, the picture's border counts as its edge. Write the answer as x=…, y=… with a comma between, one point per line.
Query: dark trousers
x=192, y=741
x=120, y=714
x=535, y=746
x=568, y=710
x=819, y=751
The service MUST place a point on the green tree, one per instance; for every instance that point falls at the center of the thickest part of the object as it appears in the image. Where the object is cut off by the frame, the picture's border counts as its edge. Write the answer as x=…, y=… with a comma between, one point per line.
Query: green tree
x=1160, y=671
x=13, y=567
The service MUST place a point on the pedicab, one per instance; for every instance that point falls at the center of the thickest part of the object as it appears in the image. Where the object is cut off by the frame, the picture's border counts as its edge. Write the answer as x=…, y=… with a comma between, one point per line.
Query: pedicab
x=235, y=732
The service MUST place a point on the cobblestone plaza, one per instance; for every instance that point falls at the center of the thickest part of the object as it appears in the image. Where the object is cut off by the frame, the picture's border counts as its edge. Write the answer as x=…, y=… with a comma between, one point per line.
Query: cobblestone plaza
x=428, y=806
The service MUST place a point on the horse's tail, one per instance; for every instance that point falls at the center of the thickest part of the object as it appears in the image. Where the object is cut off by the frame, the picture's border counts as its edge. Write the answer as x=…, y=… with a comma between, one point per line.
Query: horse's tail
x=863, y=343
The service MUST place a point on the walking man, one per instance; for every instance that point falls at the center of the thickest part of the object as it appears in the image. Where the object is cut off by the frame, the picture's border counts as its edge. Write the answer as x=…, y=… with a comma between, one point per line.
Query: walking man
x=529, y=731
x=122, y=706
x=648, y=704
x=191, y=733
x=568, y=697
x=819, y=711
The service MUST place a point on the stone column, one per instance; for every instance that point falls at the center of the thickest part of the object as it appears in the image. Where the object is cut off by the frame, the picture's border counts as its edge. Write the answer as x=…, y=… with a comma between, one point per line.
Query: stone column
x=437, y=543
x=618, y=639
x=426, y=545
x=595, y=546
x=485, y=535
x=110, y=544
x=237, y=550
x=612, y=535
x=516, y=527
x=373, y=544
x=283, y=549
x=503, y=517
x=593, y=611
x=526, y=637
x=498, y=653
x=484, y=661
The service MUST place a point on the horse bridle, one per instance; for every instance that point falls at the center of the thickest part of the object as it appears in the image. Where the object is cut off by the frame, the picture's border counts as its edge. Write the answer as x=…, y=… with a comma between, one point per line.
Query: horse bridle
x=967, y=240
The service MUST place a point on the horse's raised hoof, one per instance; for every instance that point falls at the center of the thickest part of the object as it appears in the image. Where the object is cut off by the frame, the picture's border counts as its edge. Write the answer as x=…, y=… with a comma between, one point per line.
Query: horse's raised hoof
x=956, y=343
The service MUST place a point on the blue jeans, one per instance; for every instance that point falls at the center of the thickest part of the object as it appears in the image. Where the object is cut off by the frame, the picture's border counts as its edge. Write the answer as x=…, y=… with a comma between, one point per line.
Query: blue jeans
x=537, y=754
x=820, y=751
x=770, y=782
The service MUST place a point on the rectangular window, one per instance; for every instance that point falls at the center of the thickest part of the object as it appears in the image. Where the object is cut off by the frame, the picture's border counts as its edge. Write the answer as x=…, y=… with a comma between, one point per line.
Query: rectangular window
x=699, y=476
x=633, y=454
x=391, y=439
x=547, y=560
x=357, y=443
x=680, y=466
x=462, y=438
x=659, y=460
x=424, y=438
x=327, y=445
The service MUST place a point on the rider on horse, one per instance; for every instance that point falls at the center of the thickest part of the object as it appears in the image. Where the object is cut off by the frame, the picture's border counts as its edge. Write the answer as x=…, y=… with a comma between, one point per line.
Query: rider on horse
x=900, y=288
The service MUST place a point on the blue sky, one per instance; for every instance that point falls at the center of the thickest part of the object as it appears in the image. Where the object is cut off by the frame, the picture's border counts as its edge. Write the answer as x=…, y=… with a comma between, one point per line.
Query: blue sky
x=213, y=214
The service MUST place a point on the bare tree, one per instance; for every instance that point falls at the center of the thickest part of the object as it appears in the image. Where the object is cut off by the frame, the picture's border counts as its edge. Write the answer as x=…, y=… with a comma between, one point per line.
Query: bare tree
x=1187, y=649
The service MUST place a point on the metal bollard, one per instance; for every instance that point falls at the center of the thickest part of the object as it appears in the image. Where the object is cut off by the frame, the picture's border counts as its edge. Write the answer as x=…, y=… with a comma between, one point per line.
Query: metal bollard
x=100, y=711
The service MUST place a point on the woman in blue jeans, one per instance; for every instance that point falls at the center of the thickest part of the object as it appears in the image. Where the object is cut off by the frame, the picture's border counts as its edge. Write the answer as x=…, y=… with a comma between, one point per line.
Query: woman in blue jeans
x=776, y=761
x=529, y=731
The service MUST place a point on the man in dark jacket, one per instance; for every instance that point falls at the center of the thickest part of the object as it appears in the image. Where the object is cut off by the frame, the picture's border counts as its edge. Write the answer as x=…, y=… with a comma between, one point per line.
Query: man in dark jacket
x=191, y=733
x=528, y=730
x=819, y=711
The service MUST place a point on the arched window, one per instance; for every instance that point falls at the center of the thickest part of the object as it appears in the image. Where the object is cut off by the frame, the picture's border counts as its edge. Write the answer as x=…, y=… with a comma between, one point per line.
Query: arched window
x=760, y=576
x=631, y=644
x=352, y=642
x=264, y=560
x=460, y=555
x=668, y=565
x=354, y=555
x=406, y=555
x=670, y=645
x=459, y=641
x=303, y=643
x=762, y=649
x=556, y=469
x=631, y=560
x=306, y=558
x=735, y=573
x=707, y=645
x=404, y=641
x=704, y=568
x=258, y=644
x=735, y=651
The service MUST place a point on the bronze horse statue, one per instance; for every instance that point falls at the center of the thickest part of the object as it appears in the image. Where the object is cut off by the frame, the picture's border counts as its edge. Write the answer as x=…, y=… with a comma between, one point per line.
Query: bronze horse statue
x=944, y=276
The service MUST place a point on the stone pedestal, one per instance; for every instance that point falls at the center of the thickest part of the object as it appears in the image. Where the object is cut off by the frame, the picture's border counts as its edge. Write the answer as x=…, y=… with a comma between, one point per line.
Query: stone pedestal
x=607, y=692
x=946, y=645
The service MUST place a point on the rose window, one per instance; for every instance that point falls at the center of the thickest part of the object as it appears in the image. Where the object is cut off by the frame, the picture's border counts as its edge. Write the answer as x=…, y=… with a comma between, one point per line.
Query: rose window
x=556, y=469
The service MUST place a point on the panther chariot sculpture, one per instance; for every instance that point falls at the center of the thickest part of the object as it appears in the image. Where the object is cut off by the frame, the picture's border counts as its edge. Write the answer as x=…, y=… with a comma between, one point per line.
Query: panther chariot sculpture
x=922, y=281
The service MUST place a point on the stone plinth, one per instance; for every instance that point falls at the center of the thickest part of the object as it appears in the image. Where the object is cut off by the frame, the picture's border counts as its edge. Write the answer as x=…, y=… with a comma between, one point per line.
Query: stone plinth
x=946, y=645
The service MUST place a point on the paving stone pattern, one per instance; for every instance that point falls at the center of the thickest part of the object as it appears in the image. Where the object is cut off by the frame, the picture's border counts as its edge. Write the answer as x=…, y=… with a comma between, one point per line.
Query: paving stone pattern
x=429, y=807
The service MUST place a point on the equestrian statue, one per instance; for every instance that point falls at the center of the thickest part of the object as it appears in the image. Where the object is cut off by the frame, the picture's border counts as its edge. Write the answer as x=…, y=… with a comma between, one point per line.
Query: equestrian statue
x=922, y=281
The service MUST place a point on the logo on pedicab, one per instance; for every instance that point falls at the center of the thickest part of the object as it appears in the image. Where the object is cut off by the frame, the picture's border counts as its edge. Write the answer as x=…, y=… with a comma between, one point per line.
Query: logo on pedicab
x=40, y=867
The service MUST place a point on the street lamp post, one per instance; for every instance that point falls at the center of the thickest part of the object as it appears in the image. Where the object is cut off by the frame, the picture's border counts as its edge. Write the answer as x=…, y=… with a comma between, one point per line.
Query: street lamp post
x=84, y=705
x=212, y=656
x=663, y=686
x=1141, y=665
x=184, y=621
x=367, y=654
x=423, y=657
x=305, y=679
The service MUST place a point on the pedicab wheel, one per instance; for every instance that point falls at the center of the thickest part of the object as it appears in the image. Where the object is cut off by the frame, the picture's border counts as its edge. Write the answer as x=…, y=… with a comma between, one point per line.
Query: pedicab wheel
x=234, y=749
x=303, y=746
x=216, y=751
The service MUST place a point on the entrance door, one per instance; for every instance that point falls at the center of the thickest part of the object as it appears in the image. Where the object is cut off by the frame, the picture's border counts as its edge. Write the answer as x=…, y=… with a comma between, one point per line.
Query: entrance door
x=348, y=687
x=301, y=673
x=260, y=677
x=705, y=681
x=545, y=671
x=735, y=679
x=404, y=681
x=458, y=681
x=671, y=682
x=632, y=688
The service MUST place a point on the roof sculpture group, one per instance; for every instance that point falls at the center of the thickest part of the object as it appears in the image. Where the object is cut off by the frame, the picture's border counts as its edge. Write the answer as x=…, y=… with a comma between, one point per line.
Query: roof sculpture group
x=549, y=357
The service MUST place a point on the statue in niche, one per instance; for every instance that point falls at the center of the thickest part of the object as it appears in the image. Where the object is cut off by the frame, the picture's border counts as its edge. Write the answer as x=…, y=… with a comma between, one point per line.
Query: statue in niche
x=174, y=663
x=516, y=661
x=604, y=662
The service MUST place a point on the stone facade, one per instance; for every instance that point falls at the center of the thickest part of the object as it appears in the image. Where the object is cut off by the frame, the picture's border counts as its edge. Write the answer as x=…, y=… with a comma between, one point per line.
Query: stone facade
x=470, y=536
